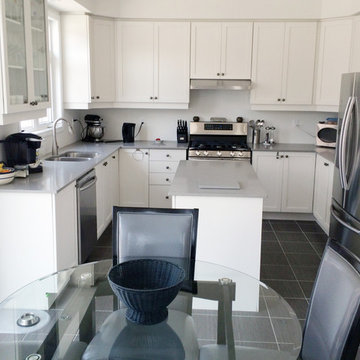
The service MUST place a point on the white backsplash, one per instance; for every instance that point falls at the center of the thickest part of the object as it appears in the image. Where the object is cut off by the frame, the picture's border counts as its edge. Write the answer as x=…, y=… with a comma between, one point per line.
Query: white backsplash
x=208, y=103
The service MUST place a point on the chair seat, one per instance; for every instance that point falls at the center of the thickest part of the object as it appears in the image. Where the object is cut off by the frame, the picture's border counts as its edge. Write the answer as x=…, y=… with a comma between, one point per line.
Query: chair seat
x=173, y=339
x=219, y=352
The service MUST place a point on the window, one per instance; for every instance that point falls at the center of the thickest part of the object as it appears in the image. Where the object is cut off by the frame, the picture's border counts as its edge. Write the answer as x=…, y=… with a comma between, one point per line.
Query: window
x=55, y=78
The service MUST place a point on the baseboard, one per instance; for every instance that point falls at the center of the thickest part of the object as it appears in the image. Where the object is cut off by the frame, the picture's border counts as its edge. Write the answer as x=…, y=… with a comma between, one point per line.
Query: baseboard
x=288, y=216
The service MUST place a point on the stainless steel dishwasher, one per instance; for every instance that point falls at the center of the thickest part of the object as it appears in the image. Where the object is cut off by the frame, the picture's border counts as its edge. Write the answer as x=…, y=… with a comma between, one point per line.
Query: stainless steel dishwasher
x=86, y=203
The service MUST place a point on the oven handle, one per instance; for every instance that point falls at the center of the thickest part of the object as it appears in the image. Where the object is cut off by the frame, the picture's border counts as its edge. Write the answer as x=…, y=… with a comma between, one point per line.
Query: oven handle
x=88, y=184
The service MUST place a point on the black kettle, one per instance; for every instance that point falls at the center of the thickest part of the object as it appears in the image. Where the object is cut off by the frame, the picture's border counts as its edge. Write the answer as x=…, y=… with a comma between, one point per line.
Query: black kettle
x=128, y=132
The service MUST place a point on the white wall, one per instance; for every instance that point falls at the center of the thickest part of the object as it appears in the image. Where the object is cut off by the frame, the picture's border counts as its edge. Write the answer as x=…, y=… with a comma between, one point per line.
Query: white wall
x=336, y=8
x=207, y=103
x=206, y=9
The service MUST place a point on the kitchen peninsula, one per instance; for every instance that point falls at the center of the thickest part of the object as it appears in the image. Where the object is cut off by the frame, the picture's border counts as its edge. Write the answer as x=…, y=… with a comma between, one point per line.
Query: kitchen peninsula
x=229, y=197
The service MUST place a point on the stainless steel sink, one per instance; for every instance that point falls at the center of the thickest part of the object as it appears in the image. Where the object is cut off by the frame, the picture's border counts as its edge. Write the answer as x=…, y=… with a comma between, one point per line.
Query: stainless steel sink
x=73, y=156
x=79, y=154
x=64, y=158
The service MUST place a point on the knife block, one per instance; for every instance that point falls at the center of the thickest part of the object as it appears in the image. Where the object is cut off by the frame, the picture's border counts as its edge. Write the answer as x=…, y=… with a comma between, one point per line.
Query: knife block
x=182, y=136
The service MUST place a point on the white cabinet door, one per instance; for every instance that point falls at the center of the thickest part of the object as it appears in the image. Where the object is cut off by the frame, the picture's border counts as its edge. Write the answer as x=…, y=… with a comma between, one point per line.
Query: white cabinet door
x=355, y=48
x=236, y=50
x=268, y=167
x=134, y=177
x=135, y=61
x=268, y=57
x=205, y=50
x=284, y=63
x=334, y=55
x=102, y=60
x=158, y=196
x=107, y=190
x=100, y=171
x=299, y=63
x=66, y=228
x=221, y=50
x=298, y=182
x=24, y=58
x=113, y=185
x=323, y=191
x=171, y=73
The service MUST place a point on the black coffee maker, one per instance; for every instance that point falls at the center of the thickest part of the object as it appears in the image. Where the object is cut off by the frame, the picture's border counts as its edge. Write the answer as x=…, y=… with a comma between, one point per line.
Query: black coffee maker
x=21, y=151
x=128, y=132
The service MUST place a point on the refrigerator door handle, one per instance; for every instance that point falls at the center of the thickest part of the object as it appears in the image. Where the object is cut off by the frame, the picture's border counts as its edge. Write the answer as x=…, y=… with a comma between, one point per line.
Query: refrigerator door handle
x=342, y=222
x=342, y=142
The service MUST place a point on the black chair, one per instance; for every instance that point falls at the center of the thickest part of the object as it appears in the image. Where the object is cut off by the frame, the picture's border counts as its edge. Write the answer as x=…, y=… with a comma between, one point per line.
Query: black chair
x=332, y=327
x=156, y=233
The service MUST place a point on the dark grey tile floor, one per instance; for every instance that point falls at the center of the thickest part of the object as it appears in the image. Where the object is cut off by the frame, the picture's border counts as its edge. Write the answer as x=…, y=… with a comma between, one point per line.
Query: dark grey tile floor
x=290, y=256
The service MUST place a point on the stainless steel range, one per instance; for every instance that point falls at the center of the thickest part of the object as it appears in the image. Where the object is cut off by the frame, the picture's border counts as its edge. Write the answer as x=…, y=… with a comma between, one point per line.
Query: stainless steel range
x=215, y=140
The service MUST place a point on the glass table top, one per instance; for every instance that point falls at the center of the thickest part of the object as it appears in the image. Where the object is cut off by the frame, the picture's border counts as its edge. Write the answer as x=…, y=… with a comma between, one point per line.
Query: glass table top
x=77, y=316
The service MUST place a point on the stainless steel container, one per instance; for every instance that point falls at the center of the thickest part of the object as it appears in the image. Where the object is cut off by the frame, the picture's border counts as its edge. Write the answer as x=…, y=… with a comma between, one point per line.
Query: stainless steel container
x=256, y=136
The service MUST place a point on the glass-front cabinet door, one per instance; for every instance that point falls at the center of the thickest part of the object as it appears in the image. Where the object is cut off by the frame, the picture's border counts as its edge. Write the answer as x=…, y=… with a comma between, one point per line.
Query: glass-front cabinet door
x=18, y=87
x=39, y=51
x=25, y=77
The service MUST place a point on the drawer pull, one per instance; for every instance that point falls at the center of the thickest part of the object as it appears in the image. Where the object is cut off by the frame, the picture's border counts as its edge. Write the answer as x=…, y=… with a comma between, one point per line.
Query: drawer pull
x=167, y=155
x=167, y=197
x=167, y=179
x=114, y=157
x=168, y=167
x=326, y=164
x=105, y=163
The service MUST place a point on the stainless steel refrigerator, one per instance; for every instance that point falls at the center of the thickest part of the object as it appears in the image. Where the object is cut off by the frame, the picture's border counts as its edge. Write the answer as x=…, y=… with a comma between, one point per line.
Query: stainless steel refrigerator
x=345, y=209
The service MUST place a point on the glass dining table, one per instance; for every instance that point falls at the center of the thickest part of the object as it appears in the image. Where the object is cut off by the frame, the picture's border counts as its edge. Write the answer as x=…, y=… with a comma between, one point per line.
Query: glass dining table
x=220, y=314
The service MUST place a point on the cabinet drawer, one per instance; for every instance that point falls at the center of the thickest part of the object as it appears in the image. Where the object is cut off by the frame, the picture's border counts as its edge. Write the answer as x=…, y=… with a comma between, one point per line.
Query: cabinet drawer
x=163, y=166
x=159, y=197
x=168, y=155
x=161, y=178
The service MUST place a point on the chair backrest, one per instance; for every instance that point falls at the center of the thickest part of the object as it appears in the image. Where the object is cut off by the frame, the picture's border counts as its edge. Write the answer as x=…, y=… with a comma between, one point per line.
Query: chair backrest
x=332, y=327
x=156, y=233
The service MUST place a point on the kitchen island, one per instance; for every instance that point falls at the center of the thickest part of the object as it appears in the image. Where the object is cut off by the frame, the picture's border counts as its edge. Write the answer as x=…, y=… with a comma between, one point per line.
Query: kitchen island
x=230, y=200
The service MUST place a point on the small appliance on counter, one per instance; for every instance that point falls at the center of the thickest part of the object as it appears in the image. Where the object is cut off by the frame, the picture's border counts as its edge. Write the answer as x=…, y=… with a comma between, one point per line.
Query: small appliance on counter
x=182, y=131
x=256, y=130
x=326, y=133
x=94, y=130
x=128, y=132
x=269, y=135
x=21, y=151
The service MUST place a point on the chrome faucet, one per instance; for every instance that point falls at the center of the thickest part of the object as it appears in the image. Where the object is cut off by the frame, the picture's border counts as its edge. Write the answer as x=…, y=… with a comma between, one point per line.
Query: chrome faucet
x=55, y=147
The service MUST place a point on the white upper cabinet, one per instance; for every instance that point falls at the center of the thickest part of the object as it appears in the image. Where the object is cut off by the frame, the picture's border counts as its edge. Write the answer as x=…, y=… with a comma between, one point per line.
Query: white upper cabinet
x=221, y=50
x=152, y=62
x=334, y=56
x=355, y=49
x=102, y=60
x=283, y=63
x=88, y=61
x=24, y=60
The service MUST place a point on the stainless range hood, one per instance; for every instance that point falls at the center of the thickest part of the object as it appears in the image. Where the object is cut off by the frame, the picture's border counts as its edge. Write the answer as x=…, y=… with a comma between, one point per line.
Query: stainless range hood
x=209, y=84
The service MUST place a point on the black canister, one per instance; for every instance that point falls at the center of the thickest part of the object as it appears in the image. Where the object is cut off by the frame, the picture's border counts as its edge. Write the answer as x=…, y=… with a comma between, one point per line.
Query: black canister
x=128, y=132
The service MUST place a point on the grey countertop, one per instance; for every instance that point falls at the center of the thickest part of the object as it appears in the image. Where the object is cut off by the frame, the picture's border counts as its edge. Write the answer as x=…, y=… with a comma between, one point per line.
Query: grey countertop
x=56, y=175
x=218, y=176
x=284, y=147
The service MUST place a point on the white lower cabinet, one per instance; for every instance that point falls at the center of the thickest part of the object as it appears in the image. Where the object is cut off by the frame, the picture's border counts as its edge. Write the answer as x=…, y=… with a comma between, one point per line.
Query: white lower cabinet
x=107, y=190
x=288, y=179
x=45, y=241
x=324, y=175
x=146, y=176
x=134, y=177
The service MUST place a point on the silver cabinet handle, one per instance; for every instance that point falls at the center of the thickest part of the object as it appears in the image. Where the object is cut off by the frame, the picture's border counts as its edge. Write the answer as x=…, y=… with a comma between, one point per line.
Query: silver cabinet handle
x=342, y=222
